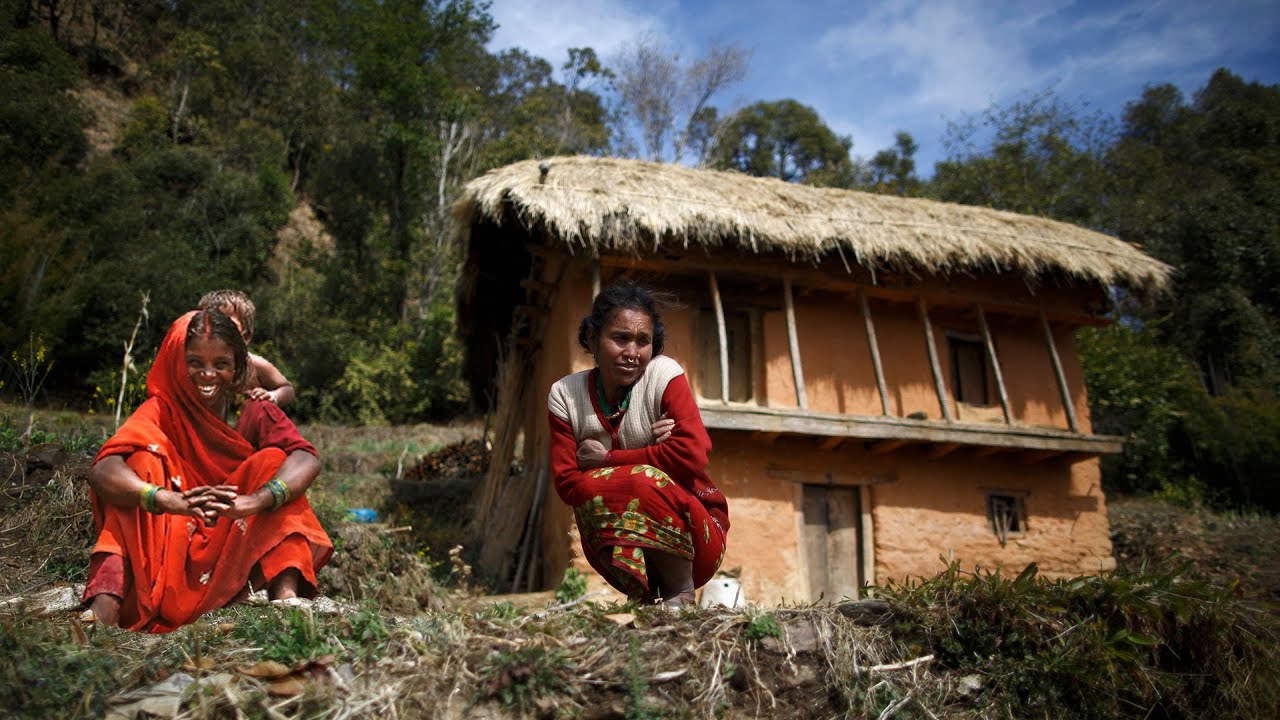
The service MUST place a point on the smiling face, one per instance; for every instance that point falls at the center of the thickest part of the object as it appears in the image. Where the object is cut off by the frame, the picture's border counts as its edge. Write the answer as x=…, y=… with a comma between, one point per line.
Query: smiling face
x=211, y=365
x=623, y=348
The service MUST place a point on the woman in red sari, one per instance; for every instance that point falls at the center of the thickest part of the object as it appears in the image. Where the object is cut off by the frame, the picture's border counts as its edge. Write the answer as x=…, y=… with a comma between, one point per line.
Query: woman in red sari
x=192, y=512
x=629, y=455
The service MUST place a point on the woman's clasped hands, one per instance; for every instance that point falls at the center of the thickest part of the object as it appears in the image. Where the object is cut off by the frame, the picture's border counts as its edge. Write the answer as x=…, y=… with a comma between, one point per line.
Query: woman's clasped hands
x=209, y=503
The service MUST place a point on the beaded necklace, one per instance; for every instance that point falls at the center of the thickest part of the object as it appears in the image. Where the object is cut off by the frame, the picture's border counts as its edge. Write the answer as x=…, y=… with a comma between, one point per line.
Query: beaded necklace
x=611, y=411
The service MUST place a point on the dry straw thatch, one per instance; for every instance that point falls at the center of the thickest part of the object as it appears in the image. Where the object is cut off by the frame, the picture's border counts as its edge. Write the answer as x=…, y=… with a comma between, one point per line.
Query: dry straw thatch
x=606, y=204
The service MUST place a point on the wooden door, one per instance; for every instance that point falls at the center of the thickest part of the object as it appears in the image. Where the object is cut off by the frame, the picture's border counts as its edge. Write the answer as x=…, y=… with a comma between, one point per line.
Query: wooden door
x=833, y=542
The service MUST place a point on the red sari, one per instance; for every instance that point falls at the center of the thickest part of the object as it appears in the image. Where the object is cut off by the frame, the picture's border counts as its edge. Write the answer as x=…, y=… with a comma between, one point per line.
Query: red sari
x=657, y=497
x=171, y=569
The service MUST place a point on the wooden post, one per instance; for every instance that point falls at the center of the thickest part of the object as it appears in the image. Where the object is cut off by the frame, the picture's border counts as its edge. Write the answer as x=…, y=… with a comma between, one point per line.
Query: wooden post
x=995, y=364
x=868, y=539
x=875, y=351
x=595, y=279
x=1057, y=372
x=929, y=344
x=794, y=342
x=724, y=337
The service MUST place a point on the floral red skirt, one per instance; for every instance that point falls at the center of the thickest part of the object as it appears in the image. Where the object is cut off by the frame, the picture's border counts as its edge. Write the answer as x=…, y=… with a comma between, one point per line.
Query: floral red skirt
x=623, y=511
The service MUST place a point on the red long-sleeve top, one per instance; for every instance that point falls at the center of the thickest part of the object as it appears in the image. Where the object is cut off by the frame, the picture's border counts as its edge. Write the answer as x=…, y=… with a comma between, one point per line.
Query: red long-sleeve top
x=683, y=456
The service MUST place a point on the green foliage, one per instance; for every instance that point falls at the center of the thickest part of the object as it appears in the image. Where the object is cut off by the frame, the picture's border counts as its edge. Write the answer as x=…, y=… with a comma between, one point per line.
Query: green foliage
x=1040, y=156
x=638, y=706
x=519, y=677
x=572, y=586
x=1141, y=391
x=785, y=140
x=148, y=128
x=46, y=675
x=893, y=170
x=287, y=636
x=1125, y=644
x=761, y=627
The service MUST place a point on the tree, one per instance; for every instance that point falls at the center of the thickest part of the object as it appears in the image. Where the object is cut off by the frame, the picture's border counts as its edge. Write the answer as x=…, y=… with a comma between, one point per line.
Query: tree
x=893, y=170
x=785, y=140
x=667, y=98
x=1039, y=156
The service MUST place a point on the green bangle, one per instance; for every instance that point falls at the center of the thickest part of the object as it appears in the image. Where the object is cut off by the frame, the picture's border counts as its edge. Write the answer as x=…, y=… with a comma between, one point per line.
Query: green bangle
x=279, y=493
x=147, y=498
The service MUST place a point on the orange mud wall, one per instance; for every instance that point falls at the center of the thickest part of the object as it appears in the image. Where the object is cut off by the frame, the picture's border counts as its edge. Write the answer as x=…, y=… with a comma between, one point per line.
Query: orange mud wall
x=923, y=511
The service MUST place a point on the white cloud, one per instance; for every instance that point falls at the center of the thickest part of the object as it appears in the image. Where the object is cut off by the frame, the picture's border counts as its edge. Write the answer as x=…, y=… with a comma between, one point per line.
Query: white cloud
x=548, y=28
x=937, y=56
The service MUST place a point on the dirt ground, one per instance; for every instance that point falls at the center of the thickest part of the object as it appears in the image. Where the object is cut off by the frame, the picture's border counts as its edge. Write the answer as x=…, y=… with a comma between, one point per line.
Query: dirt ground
x=509, y=655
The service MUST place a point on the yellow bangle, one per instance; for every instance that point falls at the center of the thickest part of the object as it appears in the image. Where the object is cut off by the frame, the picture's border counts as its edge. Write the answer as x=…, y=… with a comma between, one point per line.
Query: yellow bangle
x=147, y=498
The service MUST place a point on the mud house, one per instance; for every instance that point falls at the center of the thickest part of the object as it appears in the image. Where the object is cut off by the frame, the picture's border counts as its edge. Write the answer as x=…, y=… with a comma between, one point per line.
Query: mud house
x=886, y=380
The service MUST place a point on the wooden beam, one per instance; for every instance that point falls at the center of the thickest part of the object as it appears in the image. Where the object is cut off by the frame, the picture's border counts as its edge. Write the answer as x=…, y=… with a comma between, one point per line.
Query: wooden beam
x=867, y=539
x=538, y=286
x=724, y=336
x=988, y=451
x=1057, y=373
x=995, y=363
x=818, y=279
x=816, y=477
x=832, y=442
x=1038, y=456
x=887, y=446
x=794, y=342
x=545, y=251
x=942, y=450
x=943, y=400
x=750, y=418
x=875, y=351
x=766, y=437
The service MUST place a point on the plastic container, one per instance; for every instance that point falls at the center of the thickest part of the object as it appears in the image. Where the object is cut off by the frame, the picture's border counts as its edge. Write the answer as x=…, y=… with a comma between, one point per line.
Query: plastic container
x=362, y=515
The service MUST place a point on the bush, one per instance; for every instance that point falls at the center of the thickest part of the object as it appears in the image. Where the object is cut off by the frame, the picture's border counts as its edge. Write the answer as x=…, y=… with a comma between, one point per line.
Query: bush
x=1140, y=644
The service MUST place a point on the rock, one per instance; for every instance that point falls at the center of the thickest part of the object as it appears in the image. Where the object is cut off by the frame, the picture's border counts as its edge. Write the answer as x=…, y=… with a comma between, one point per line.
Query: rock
x=47, y=456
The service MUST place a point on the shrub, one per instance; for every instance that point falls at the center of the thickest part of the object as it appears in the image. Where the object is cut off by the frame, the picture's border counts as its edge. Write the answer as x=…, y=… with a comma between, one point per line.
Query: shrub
x=1125, y=644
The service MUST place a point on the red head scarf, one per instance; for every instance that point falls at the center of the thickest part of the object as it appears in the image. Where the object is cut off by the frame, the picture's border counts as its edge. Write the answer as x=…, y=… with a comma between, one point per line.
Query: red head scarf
x=174, y=419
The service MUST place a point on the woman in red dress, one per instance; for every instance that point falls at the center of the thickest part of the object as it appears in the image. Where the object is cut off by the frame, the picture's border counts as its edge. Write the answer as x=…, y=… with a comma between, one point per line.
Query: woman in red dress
x=629, y=455
x=192, y=512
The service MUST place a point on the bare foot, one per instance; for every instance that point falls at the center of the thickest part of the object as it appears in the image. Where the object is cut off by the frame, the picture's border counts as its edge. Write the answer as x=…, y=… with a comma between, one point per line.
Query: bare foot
x=682, y=599
x=106, y=609
x=285, y=585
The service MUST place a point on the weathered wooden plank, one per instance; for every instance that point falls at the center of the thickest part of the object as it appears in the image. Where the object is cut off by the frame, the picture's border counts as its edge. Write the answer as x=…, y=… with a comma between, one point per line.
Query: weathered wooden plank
x=724, y=336
x=870, y=427
x=995, y=363
x=943, y=400
x=1038, y=456
x=793, y=342
x=1061, y=376
x=868, y=539
x=831, y=443
x=887, y=446
x=942, y=450
x=874, y=346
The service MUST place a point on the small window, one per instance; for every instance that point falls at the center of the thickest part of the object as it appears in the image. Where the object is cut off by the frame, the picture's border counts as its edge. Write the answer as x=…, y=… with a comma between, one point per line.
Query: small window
x=737, y=325
x=968, y=369
x=1007, y=515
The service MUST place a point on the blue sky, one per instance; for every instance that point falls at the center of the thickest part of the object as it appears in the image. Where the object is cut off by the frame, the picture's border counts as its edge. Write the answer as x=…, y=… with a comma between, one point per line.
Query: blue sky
x=873, y=68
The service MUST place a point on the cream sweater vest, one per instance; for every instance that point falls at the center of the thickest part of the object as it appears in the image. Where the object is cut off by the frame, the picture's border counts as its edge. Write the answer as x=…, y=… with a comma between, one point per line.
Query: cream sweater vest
x=570, y=400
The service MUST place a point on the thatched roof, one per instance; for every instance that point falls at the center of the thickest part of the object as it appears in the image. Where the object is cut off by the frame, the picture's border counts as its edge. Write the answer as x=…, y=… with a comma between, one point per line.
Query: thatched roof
x=605, y=204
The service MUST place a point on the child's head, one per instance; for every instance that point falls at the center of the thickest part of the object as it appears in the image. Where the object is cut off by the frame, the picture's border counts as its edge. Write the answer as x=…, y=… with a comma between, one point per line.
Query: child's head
x=235, y=305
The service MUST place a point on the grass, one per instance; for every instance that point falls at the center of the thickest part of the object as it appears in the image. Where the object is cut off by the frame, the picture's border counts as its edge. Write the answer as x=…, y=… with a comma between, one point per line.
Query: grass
x=1154, y=639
